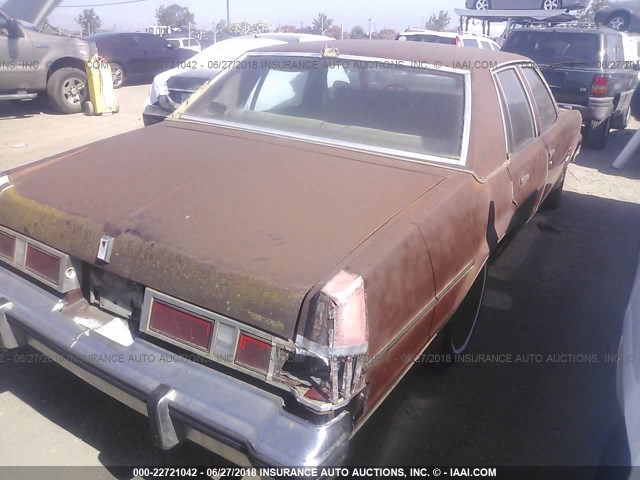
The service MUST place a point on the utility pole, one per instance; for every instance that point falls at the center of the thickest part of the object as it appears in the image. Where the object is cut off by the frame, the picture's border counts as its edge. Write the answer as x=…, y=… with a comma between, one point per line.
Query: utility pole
x=228, y=17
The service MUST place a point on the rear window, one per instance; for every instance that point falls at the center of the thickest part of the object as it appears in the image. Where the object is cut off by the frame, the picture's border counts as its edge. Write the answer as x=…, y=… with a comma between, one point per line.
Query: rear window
x=429, y=39
x=470, y=42
x=399, y=108
x=556, y=48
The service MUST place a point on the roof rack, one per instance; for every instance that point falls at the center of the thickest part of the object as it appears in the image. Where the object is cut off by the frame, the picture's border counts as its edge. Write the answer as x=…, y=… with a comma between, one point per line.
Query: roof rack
x=512, y=17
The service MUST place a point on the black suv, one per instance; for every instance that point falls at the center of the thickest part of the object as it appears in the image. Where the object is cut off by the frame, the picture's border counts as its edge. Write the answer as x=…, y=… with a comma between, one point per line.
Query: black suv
x=586, y=70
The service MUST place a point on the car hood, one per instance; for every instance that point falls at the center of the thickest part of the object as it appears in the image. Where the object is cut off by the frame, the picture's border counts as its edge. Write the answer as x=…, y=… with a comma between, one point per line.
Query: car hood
x=32, y=11
x=239, y=223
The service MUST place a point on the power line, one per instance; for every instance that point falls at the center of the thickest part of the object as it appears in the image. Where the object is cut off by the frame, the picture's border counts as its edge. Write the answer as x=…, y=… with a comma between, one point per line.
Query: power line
x=102, y=4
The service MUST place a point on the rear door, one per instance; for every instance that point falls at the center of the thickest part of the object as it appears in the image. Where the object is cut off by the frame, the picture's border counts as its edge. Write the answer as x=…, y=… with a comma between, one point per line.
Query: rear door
x=527, y=151
x=553, y=131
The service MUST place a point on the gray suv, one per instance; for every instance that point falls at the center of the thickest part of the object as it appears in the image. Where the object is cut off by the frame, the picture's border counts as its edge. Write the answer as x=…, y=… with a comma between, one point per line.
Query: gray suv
x=34, y=61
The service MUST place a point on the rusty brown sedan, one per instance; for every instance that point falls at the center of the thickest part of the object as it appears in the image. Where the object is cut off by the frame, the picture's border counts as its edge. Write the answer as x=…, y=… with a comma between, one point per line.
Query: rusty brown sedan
x=257, y=273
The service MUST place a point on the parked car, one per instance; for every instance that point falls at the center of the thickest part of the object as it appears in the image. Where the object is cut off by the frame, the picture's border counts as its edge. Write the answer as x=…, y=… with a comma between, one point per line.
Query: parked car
x=138, y=56
x=586, y=70
x=621, y=15
x=448, y=38
x=335, y=213
x=27, y=69
x=525, y=4
x=173, y=87
x=186, y=43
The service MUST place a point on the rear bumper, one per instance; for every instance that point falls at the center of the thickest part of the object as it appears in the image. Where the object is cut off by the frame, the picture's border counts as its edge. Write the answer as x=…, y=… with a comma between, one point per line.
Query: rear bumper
x=598, y=108
x=183, y=400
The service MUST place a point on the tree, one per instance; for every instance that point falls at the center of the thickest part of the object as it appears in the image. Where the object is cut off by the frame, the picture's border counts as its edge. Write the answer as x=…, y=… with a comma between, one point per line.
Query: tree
x=221, y=26
x=388, y=34
x=438, y=23
x=358, y=32
x=334, y=31
x=246, y=28
x=89, y=21
x=174, y=16
x=321, y=24
x=589, y=13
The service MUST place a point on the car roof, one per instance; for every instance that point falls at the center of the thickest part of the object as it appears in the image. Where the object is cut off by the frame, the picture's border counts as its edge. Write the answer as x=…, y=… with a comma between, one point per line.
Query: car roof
x=570, y=28
x=446, y=55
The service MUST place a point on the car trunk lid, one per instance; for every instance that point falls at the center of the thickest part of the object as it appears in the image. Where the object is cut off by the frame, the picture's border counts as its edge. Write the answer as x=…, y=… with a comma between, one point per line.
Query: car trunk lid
x=241, y=224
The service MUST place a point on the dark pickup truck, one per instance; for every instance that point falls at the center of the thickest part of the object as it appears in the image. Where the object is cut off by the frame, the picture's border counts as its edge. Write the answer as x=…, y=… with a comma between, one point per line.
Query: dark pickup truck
x=586, y=70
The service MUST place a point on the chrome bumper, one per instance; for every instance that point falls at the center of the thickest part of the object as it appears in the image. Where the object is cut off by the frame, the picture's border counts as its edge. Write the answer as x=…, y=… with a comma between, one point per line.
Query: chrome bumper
x=183, y=400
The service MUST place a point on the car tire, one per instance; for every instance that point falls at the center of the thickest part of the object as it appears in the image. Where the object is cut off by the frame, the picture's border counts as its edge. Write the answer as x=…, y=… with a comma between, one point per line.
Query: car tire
x=67, y=90
x=618, y=21
x=457, y=333
x=117, y=72
x=482, y=4
x=554, y=199
x=620, y=120
x=551, y=4
x=597, y=133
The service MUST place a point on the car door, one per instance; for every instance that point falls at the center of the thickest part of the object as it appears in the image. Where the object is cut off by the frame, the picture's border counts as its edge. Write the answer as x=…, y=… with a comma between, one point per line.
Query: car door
x=18, y=61
x=527, y=152
x=553, y=129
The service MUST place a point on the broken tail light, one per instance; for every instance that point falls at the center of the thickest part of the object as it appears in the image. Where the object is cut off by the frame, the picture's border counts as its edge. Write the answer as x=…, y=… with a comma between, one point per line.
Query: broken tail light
x=333, y=350
x=600, y=85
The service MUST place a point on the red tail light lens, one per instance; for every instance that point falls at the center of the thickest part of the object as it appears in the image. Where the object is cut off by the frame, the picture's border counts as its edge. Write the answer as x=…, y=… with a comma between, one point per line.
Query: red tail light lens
x=181, y=326
x=42, y=264
x=458, y=41
x=253, y=353
x=599, y=85
x=7, y=246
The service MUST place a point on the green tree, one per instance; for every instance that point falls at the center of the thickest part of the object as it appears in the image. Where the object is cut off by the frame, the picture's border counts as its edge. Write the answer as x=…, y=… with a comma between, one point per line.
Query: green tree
x=321, y=23
x=334, y=31
x=89, y=21
x=358, y=32
x=388, y=34
x=174, y=16
x=589, y=13
x=439, y=22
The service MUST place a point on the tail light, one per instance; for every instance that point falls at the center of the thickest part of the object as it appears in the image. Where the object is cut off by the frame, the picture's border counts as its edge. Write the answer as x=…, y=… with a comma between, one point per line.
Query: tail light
x=43, y=264
x=600, y=85
x=336, y=343
x=7, y=245
x=458, y=41
x=181, y=325
x=253, y=353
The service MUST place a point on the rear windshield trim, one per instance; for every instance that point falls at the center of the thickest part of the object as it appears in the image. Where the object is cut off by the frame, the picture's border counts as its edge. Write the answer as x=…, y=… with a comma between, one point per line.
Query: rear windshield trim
x=361, y=147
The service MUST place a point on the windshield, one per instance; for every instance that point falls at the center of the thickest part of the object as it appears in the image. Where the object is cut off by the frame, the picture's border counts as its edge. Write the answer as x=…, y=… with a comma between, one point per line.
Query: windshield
x=428, y=39
x=368, y=103
x=548, y=48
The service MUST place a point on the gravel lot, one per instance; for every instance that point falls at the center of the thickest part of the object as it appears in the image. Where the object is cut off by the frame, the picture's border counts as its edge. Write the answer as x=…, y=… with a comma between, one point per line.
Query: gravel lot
x=559, y=289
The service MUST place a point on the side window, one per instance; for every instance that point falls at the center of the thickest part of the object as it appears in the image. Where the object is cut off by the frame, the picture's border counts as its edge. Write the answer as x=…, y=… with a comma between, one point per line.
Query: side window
x=515, y=109
x=128, y=40
x=471, y=42
x=175, y=43
x=544, y=101
x=150, y=41
x=278, y=89
x=614, y=48
x=485, y=45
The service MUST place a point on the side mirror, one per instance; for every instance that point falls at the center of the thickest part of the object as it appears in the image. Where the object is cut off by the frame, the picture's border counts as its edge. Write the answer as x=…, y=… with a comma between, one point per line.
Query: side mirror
x=13, y=27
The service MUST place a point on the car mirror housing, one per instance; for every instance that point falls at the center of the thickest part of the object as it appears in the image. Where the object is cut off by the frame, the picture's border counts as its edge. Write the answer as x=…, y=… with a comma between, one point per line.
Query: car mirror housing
x=13, y=27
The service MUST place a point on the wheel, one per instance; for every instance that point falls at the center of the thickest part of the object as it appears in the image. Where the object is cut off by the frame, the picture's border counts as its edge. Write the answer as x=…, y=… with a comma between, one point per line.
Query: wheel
x=458, y=331
x=554, y=198
x=118, y=75
x=482, y=5
x=88, y=108
x=67, y=89
x=597, y=133
x=620, y=120
x=618, y=21
x=551, y=4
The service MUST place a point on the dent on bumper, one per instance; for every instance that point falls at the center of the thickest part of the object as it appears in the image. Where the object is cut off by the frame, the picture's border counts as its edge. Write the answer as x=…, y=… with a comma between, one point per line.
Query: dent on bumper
x=182, y=399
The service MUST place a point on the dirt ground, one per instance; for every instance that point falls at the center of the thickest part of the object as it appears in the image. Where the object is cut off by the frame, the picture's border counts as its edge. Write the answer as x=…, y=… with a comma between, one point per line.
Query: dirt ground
x=554, y=306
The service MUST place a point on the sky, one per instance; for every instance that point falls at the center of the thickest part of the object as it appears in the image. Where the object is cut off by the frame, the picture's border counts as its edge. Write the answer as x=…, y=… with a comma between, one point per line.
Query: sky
x=398, y=14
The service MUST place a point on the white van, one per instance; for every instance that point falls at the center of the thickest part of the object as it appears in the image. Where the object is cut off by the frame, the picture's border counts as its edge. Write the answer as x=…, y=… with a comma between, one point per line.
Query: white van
x=187, y=43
